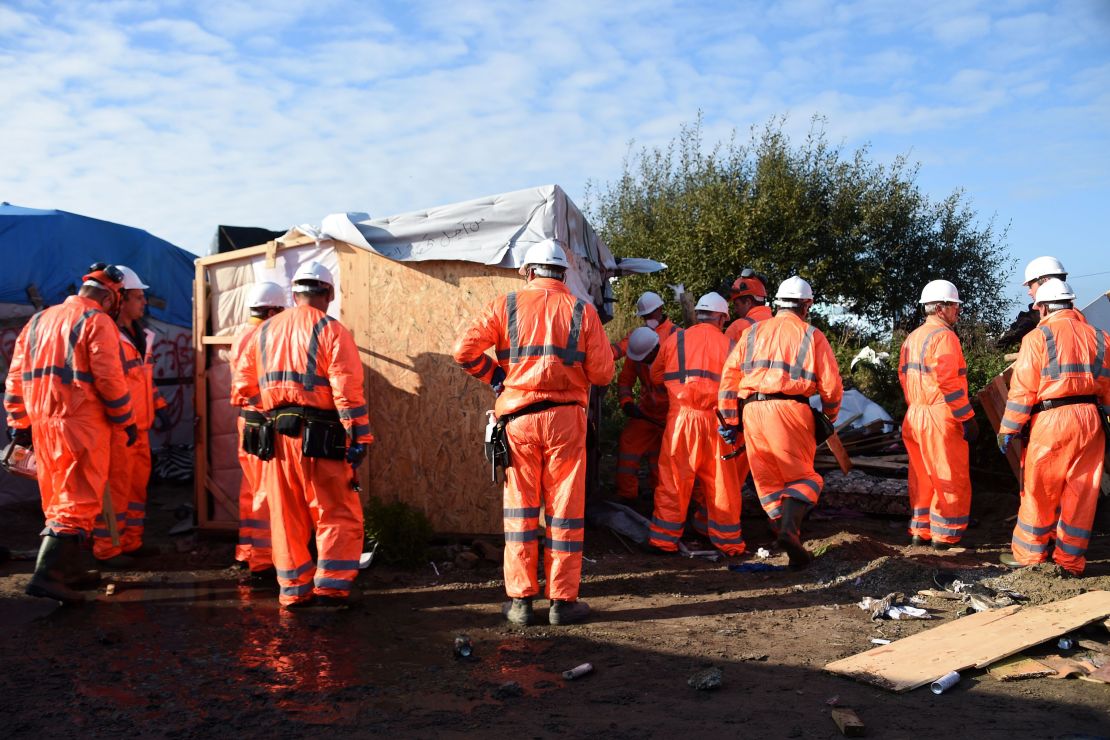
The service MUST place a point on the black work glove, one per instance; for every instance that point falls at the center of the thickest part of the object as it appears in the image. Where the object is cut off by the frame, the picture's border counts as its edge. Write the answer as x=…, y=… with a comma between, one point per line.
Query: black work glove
x=497, y=381
x=632, y=411
x=21, y=437
x=132, y=432
x=971, y=431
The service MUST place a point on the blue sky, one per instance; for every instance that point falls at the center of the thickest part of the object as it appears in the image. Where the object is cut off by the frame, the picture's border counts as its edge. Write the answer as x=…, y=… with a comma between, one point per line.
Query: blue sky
x=177, y=116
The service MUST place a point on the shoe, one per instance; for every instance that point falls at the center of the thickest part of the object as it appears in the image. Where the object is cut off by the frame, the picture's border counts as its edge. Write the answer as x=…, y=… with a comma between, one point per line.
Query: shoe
x=1009, y=560
x=118, y=562
x=49, y=581
x=519, y=611
x=299, y=605
x=789, y=538
x=917, y=541
x=260, y=580
x=943, y=546
x=567, y=612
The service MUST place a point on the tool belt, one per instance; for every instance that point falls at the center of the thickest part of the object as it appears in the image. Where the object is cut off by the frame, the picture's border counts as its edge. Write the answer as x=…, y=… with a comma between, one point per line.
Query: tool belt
x=322, y=434
x=822, y=427
x=497, y=445
x=1055, y=403
x=258, y=434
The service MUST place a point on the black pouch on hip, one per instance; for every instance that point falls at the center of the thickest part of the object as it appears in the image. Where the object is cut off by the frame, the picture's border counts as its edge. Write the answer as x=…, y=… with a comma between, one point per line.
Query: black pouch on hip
x=258, y=438
x=324, y=439
x=822, y=427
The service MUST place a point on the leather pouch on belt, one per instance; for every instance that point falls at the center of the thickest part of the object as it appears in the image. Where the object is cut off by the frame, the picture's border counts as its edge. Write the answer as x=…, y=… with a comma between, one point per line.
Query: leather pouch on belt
x=258, y=439
x=324, y=439
x=822, y=427
x=288, y=423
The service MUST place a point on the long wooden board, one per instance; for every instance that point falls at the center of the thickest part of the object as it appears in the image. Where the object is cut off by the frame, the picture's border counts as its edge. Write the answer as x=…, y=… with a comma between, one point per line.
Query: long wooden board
x=975, y=641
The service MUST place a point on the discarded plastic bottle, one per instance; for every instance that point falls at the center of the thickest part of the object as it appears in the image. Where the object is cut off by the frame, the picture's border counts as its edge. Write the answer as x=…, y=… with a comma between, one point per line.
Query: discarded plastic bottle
x=578, y=671
x=463, y=647
x=945, y=682
x=1065, y=643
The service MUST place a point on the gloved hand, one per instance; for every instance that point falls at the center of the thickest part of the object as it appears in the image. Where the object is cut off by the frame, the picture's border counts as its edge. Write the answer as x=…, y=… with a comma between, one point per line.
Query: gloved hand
x=631, y=410
x=971, y=430
x=21, y=437
x=132, y=432
x=497, y=382
x=162, y=419
x=1004, y=440
x=356, y=453
x=729, y=433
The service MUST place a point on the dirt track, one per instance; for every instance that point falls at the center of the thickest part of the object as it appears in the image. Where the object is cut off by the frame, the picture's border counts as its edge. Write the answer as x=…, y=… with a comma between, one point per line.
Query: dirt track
x=181, y=650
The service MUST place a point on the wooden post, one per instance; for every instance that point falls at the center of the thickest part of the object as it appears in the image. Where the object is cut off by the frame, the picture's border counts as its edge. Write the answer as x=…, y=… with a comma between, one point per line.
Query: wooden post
x=200, y=393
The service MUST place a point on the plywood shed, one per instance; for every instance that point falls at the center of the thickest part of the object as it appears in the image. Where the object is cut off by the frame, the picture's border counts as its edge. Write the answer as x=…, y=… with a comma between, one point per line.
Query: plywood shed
x=406, y=287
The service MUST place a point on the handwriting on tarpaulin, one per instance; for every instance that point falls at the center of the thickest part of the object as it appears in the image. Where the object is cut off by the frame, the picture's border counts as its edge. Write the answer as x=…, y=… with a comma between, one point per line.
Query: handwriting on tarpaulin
x=444, y=238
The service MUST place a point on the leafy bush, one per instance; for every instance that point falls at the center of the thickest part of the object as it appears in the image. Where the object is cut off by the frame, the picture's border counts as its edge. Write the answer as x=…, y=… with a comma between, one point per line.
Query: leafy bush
x=403, y=533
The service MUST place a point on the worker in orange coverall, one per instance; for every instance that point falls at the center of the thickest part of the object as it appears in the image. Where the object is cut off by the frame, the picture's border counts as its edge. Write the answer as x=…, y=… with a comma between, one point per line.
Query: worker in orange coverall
x=782, y=361
x=305, y=373
x=643, y=432
x=1061, y=387
x=130, y=465
x=749, y=300
x=254, y=550
x=939, y=423
x=649, y=307
x=65, y=389
x=551, y=347
x=689, y=364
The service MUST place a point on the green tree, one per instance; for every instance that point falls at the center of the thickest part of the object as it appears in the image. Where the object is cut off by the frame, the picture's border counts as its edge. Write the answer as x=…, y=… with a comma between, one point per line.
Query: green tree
x=861, y=232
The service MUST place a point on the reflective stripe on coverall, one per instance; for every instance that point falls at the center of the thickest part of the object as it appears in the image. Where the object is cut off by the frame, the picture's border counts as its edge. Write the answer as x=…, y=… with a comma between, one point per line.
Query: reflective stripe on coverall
x=129, y=472
x=66, y=383
x=1064, y=357
x=640, y=438
x=254, y=546
x=304, y=357
x=933, y=375
x=785, y=355
x=689, y=364
x=552, y=347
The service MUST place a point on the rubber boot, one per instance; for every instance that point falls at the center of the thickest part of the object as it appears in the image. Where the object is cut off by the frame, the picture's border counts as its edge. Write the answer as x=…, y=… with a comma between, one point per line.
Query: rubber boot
x=78, y=575
x=942, y=546
x=518, y=611
x=567, y=612
x=262, y=580
x=918, y=540
x=49, y=581
x=118, y=562
x=1009, y=560
x=790, y=528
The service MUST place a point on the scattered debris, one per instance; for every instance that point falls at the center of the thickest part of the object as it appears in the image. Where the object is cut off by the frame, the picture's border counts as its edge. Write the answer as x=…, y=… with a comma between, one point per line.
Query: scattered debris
x=110, y=589
x=763, y=553
x=879, y=641
x=1019, y=667
x=1065, y=643
x=890, y=606
x=1062, y=667
x=463, y=647
x=706, y=680
x=754, y=567
x=848, y=721
x=578, y=671
x=466, y=560
x=508, y=690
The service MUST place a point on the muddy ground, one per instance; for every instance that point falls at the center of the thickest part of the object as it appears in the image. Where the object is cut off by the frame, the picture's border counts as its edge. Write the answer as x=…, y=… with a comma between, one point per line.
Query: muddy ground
x=181, y=649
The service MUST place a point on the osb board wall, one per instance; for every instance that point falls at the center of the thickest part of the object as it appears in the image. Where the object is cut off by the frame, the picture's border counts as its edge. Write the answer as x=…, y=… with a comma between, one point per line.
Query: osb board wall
x=428, y=415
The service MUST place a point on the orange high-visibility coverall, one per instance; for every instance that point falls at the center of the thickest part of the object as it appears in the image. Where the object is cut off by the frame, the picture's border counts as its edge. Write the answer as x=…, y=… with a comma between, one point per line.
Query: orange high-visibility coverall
x=933, y=375
x=689, y=364
x=641, y=438
x=754, y=316
x=552, y=348
x=66, y=383
x=303, y=357
x=254, y=546
x=781, y=355
x=130, y=466
x=1065, y=357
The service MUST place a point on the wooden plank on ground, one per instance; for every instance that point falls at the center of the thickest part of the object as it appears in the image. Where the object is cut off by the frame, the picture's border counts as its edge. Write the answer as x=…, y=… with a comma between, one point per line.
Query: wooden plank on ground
x=1019, y=667
x=971, y=642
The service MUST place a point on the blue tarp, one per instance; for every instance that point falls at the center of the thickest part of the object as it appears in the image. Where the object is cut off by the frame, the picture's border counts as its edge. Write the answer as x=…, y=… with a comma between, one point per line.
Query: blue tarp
x=53, y=249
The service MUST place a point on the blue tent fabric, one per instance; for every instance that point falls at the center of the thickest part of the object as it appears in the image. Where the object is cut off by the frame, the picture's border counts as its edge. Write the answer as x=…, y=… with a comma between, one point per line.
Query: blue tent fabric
x=53, y=249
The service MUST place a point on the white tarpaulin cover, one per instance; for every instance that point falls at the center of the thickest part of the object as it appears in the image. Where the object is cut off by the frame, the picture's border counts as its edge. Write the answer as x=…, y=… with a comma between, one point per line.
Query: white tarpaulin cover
x=1097, y=312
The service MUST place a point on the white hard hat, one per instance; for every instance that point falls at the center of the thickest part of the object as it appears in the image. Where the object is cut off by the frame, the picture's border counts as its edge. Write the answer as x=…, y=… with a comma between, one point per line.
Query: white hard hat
x=131, y=280
x=312, y=271
x=641, y=342
x=1042, y=266
x=712, y=302
x=940, y=291
x=546, y=252
x=648, y=302
x=266, y=295
x=794, y=289
x=1054, y=290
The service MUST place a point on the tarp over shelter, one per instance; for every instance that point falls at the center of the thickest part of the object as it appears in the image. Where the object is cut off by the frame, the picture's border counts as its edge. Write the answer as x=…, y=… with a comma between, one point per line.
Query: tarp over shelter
x=45, y=254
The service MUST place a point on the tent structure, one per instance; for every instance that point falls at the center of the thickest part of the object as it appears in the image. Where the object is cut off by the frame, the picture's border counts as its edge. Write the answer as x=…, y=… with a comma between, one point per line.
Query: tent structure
x=406, y=287
x=45, y=254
